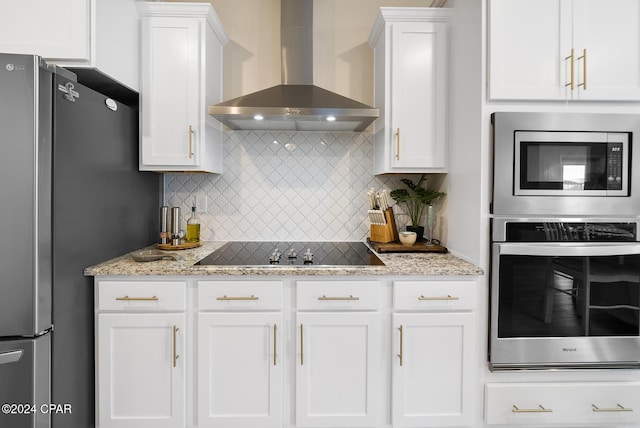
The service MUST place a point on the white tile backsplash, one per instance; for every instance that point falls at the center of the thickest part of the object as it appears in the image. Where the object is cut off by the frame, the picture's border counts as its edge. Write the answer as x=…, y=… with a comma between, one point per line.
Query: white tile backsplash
x=285, y=186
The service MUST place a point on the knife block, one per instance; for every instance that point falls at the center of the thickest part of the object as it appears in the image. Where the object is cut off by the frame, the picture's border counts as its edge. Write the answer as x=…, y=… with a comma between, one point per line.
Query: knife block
x=385, y=232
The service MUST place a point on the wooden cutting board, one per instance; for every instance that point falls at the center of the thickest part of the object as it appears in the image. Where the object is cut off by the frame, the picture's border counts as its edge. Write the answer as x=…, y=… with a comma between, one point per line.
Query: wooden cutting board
x=183, y=246
x=397, y=247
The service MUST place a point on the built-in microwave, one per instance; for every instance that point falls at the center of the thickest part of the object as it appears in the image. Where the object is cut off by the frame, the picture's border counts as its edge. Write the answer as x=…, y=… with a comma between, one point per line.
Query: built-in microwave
x=564, y=164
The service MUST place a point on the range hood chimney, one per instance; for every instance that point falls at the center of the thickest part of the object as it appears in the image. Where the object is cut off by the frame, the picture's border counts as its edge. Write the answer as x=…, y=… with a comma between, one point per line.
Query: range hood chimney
x=296, y=104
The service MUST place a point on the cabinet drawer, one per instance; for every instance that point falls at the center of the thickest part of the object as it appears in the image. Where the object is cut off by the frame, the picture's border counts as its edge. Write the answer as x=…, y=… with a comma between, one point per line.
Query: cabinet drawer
x=244, y=295
x=434, y=295
x=151, y=296
x=338, y=295
x=601, y=403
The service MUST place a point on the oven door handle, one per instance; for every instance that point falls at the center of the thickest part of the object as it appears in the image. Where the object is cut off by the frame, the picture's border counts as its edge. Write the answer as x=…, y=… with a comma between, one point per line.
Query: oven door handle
x=567, y=250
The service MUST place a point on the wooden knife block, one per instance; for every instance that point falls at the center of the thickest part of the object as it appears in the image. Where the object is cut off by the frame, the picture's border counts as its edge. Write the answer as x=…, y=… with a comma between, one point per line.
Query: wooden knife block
x=385, y=232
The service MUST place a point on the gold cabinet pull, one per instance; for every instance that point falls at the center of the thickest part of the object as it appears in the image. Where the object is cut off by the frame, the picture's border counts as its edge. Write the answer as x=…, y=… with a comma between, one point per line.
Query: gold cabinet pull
x=401, y=337
x=301, y=345
x=398, y=144
x=190, y=141
x=127, y=298
x=571, y=58
x=618, y=408
x=539, y=409
x=275, y=352
x=584, y=69
x=175, y=346
x=447, y=297
x=225, y=297
x=350, y=297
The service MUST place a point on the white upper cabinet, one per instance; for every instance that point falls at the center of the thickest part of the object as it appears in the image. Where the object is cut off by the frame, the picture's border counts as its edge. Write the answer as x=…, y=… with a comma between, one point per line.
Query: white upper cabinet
x=182, y=46
x=100, y=34
x=564, y=49
x=410, y=89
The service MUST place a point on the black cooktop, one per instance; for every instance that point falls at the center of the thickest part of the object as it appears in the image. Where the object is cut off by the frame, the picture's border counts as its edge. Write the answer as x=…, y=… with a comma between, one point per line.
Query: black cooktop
x=294, y=253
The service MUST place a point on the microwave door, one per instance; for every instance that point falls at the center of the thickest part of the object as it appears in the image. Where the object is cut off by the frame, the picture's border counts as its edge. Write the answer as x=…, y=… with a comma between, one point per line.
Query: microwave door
x=548, y=163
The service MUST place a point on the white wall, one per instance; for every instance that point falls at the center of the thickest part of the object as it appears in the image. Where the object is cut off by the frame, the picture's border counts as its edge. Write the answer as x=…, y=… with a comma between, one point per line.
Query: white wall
x=343, y=62
x=465, y=202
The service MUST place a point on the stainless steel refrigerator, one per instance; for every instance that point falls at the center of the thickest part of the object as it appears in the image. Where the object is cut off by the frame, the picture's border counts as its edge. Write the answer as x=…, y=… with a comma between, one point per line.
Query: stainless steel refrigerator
x=71, y=196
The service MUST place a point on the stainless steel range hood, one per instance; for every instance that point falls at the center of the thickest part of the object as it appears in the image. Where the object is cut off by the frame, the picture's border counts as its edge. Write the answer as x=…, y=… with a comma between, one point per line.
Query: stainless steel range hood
x=296, y=104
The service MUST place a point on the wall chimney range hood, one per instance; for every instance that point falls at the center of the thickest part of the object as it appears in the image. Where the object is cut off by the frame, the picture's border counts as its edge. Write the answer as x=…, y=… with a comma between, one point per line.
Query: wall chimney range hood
x=296, y=104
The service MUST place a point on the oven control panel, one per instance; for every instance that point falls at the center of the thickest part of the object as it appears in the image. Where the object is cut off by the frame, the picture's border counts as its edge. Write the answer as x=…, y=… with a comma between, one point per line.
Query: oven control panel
x=556, y=231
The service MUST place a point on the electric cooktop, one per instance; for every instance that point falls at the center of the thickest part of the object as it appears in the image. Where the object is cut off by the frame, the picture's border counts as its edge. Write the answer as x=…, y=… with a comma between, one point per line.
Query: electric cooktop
x=294, y=253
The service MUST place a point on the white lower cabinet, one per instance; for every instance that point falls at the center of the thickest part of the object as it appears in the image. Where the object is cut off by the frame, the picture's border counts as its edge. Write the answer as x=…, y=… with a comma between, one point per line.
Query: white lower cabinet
x=433, y=354
x=141, y=370
x=338, y=354
x=432, y=385
x=140, y=354
x=240, y=346
x=275, y=352
x=553, y=404
x=240, y=368
x=337, y=369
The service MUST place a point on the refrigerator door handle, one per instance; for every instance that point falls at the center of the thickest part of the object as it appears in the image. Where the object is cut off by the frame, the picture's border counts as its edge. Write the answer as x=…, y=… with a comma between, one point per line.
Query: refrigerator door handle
x=11, y=356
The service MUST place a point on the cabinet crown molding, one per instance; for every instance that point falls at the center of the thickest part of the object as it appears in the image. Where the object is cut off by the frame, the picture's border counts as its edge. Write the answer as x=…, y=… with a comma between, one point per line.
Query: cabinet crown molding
x=388, y=15
x=186, y=10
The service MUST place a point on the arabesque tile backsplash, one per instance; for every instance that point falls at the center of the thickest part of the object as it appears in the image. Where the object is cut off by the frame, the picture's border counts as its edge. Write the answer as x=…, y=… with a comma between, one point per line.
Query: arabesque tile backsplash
x=285, y=186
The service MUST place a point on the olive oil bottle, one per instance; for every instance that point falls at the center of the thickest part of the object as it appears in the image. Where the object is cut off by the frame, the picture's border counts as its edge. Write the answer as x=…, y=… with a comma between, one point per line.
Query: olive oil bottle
x=193, y=225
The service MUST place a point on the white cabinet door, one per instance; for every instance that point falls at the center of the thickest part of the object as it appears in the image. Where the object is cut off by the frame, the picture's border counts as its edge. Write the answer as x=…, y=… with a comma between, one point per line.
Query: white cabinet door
x=432, y=379
x=337, y=369
x=170, y=90
x=609, y=33
x=410, y=90
x=531, y=45
x=52, y=29
x=528, y=43
x=240, y=368
x=76, y=33
x=418, y=106
x=141, y=371
x=181, y=71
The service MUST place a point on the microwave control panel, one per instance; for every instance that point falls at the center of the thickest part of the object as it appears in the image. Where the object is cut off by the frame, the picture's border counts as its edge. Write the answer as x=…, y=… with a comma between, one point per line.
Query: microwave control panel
x=614, y=166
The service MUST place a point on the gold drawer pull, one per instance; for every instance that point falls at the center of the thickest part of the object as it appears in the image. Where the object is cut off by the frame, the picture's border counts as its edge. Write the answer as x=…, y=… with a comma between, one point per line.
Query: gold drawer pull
x=275, y=345
x=175, y=346
x=401, y=337
x=127, y=298
x=572, y=58
x=190, y=141
x=398, y=144
x=447, y=297
x=540, y=409
x=619, y=408
x=301, y=345
x=350, y=297
x=584, y=69
x=225, y=297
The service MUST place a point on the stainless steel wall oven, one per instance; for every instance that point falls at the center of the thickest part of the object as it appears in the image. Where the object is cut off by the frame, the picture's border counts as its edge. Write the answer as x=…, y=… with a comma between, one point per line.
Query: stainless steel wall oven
x=565, y=294
x=565, y=267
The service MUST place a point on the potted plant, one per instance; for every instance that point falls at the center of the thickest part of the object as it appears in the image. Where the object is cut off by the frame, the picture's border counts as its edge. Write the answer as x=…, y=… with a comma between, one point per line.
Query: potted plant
x=415, y=198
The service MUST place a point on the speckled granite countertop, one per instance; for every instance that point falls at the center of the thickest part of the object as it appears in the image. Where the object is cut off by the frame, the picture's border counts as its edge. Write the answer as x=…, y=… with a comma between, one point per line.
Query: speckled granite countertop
x=426, y=264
